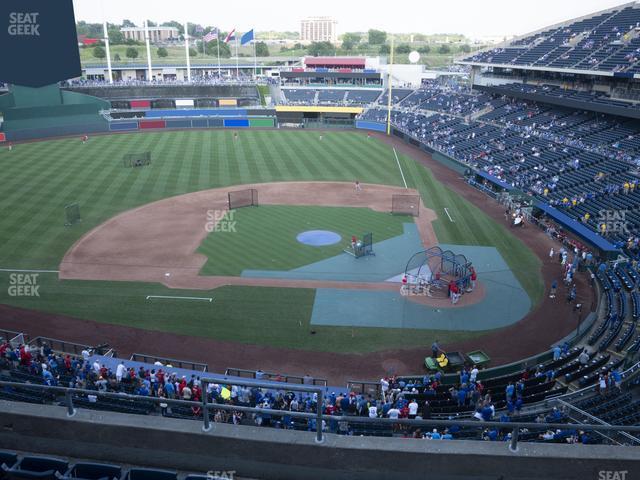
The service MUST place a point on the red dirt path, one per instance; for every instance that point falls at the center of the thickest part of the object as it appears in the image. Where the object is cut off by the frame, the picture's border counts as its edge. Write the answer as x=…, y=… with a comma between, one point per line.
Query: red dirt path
x=550, y=321
x=157, y=242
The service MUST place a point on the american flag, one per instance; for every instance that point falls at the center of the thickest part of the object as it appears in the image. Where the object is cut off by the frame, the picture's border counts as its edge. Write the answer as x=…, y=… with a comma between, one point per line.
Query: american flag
x=212, y=35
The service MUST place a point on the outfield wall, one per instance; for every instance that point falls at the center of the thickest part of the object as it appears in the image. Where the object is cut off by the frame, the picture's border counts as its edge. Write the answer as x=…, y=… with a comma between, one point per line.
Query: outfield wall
x=200, y=122
x=62, y=126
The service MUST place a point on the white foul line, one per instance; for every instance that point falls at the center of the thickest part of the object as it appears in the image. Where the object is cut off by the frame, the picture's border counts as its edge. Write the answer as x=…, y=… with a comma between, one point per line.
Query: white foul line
x=447, y=212
x=180, y=298
x=398, y=162
x=28, y=271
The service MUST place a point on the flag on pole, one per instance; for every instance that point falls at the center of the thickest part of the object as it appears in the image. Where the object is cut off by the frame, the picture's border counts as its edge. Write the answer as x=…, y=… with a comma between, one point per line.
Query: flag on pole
x=247, y=37
x=212, y=35
x=230, y=36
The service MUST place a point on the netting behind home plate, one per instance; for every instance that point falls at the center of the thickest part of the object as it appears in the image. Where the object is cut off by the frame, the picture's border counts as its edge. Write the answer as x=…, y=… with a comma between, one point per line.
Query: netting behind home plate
x=405, y=205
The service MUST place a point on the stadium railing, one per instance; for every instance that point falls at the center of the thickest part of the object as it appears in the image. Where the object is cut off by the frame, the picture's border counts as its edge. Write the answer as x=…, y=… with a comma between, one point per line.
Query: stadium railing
x=244, y=373
x=319, y=417
x=186, y=364
x=60, y=345
x=10, y=335
x=620, y=437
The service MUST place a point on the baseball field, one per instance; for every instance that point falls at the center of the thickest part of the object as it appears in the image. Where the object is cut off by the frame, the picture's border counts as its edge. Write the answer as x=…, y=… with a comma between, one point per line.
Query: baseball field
x=40, y=178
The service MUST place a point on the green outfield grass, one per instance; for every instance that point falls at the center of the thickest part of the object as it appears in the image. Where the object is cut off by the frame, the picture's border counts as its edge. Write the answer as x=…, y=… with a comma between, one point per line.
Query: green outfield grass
x=266, y=316
x=264, y=238
x=39, y=179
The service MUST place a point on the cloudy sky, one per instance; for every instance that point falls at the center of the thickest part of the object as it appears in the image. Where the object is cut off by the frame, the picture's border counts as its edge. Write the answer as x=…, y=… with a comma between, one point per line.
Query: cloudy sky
x=471, y=17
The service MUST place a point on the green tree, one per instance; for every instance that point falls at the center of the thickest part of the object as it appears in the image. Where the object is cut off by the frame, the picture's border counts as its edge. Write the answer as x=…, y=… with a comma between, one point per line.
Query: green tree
x=261, y=49
x=321, y=48
x=99, y=52
x=377, y=37
x=465, y=48
x=115, y=35
x=91, y=30
x=193, y=52
x=424, y=49
x=403, y=48
x=350, y=40
x=127, y=23
x=212, y=49
x=444, y=49
x=131, y=52
x=162, y=52
x=175, y=24
x=384, y=49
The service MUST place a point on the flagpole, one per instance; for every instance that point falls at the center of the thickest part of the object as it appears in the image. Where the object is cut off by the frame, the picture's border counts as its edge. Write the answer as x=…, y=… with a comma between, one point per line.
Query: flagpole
x=186, y=49
x=255, y=61
x=237, y=59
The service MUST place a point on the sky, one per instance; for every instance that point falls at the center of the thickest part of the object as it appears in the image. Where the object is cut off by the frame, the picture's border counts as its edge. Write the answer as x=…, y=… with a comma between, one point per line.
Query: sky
x=473, y=18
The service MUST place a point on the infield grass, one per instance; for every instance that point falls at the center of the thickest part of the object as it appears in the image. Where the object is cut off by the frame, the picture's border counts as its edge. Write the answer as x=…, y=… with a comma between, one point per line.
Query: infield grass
x=39, y=179
x=264, y=238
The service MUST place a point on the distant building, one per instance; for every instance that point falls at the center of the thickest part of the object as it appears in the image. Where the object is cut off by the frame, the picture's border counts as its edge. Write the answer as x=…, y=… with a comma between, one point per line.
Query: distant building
x=318, y=29
x=86, y=41
x=156, y=34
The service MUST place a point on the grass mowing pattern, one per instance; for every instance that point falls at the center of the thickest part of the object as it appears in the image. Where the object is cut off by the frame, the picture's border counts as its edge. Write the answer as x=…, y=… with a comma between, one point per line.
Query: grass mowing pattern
x=39, y=179
x=265, y=316
x=265, y=237
x=471, y=226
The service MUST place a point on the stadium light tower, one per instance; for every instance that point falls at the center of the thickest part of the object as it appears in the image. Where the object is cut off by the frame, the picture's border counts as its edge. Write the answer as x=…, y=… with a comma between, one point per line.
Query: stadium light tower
x=186, y=50
x=389, y=80
x=106, y=44
x=146, y=37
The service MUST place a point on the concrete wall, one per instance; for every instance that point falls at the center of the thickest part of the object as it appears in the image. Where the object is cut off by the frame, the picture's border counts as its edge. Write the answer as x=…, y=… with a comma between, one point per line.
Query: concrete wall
x=268, y=453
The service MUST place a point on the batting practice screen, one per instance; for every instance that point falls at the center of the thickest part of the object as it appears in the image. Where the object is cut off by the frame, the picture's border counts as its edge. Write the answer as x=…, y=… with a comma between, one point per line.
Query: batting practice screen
x=137, y=159
x=405, y=205
x=72, y=214
x=243, y=198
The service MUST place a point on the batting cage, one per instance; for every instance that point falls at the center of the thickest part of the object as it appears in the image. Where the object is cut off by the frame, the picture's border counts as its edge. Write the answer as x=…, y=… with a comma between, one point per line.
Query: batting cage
x=434, y=268
x=72, y=214
x=361, y=248
x=405, y=205
x=131, y=160
x=243, y=198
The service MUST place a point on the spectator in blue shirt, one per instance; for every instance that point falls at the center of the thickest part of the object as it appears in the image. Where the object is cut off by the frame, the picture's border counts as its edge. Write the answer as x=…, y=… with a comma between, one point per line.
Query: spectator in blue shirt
x=509, y=390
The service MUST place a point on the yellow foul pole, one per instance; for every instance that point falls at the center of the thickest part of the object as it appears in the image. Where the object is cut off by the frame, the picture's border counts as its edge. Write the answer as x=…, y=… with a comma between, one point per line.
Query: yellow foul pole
x=389, y=81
